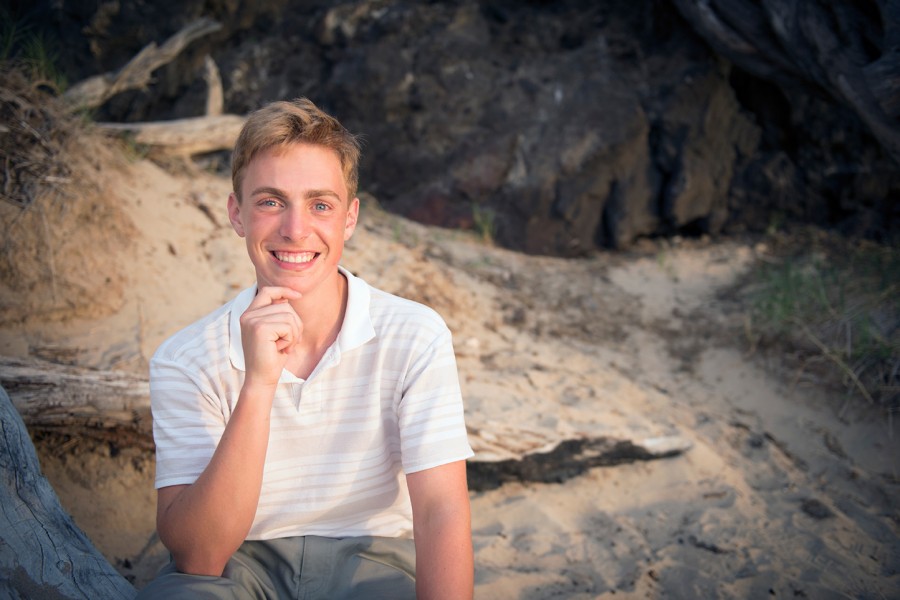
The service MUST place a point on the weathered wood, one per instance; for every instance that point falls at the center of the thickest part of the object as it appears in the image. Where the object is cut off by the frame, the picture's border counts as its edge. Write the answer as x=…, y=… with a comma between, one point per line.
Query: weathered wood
x=215, y=95
x=508, y=452
x=183, y=137
x=568, y=458
x=114, y=405
x=43, y=554
x=79, y=401
x=825, y=44
x=94, y=91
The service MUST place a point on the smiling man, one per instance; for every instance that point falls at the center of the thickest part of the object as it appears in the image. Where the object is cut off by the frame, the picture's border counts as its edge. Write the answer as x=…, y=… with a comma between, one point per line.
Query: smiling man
x=310, y=436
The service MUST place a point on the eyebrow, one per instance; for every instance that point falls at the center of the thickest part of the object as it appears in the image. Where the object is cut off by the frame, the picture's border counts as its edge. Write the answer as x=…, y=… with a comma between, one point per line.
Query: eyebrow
x=268, y=191
x=318, y=193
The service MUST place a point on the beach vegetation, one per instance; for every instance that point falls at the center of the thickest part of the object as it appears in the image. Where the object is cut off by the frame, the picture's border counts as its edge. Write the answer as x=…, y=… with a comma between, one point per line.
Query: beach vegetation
x=32, y=53
x=37, y=129
x=484, y=222
x=834, y=304
x=132, y=150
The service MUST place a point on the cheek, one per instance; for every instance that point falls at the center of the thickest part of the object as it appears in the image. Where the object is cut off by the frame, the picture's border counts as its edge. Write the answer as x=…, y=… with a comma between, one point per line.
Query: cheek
x=258, y=226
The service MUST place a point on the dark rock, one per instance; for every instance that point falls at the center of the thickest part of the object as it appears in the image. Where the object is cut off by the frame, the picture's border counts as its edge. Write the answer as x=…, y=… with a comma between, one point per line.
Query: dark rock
x=708, y=546
x=816, y=509
x=574, y=124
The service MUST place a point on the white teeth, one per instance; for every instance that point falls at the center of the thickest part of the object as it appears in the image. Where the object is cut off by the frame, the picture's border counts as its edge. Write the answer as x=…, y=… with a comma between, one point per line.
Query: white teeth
x=295, y=257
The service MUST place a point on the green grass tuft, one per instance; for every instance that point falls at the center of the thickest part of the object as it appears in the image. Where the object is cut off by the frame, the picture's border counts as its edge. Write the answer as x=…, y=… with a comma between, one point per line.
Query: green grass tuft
x=837, y=302
x=40, y=57
x=484, y=221
x=31, y=52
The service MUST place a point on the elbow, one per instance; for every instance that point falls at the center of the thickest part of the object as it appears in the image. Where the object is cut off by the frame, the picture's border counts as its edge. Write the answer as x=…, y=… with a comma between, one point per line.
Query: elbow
x=196, y=562
x=195, y=556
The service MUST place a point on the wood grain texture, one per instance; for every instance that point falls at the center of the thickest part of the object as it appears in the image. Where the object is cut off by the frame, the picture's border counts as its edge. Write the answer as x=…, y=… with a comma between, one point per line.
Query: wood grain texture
x=43, y=554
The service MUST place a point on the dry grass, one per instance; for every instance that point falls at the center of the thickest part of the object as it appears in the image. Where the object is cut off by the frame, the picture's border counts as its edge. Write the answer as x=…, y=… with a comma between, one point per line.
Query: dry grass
x=55, y=210
x=833, y=304
x=34, y=130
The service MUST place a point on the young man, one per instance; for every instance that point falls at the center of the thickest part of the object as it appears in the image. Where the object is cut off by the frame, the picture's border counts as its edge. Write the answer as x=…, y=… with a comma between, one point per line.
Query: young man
x=310, y=436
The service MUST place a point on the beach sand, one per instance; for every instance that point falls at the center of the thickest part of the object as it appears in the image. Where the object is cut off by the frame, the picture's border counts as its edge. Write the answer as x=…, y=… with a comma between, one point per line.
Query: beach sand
x=787, y=490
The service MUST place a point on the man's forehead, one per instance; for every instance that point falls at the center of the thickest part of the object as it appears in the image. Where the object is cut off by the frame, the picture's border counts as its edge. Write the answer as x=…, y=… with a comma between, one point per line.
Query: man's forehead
x=325, y=178
x=280, y=150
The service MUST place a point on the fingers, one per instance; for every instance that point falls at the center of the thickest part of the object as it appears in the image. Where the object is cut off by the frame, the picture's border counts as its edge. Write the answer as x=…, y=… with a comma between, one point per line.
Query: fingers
x=271, y=315
x=273, y=295
x=270, y=327
x=277, y=323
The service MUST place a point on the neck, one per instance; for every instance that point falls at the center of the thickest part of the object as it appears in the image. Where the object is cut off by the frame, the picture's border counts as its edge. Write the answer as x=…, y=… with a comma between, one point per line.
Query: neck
x=322, y=313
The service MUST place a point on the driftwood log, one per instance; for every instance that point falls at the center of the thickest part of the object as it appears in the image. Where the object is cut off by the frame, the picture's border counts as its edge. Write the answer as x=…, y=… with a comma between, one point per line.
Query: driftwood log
x=844, y=48
x=115, y=406
x=215, y=94
x=94, y=91
x=182, y=137
x=570, y=458
x=43, y=554
x=106, y=405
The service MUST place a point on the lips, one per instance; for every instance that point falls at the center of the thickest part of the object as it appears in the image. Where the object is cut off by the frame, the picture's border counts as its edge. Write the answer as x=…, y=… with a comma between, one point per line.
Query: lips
x=295, y=257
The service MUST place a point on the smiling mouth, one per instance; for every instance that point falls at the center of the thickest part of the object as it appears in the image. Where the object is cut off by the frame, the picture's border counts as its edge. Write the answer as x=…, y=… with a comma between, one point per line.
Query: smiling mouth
x=295, y=257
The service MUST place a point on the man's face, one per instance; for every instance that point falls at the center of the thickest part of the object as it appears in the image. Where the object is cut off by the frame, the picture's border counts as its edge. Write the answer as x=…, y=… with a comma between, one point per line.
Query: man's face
x=295, y=216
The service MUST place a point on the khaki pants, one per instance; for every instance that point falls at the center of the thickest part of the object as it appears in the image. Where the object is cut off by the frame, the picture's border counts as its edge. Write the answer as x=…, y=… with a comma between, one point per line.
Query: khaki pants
x=300, y=568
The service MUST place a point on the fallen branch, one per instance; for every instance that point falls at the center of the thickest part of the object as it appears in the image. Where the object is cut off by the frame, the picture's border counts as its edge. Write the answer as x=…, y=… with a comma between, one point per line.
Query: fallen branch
x=45, y=555
x=94, y=91
x=109, y=405
x=505, y=453
x=215, y=95
x=113, y=405
x=569, y=459
x=182, y=137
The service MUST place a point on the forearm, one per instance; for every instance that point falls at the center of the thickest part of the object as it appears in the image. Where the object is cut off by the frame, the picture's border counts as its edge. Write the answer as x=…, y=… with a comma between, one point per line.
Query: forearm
x=206, y=521
x=444, y=562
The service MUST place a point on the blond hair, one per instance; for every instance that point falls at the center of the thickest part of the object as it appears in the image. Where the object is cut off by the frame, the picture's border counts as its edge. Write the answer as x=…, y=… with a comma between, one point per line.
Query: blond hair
x=280, y=124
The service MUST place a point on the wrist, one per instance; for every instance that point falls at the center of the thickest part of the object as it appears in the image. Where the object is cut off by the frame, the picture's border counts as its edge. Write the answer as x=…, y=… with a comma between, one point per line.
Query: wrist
x=258, y=388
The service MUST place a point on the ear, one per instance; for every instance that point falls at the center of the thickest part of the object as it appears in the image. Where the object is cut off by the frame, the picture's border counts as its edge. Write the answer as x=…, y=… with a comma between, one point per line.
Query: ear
x=352, y=216
x=234, y=214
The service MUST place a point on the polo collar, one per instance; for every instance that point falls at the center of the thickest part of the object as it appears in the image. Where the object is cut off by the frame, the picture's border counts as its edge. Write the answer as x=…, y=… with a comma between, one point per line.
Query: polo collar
x=356, y=329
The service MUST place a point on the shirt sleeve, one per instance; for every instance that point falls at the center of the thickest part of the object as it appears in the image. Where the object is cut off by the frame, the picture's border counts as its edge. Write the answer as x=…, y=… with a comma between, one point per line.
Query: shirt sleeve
x=188, y=422
x=431, y=419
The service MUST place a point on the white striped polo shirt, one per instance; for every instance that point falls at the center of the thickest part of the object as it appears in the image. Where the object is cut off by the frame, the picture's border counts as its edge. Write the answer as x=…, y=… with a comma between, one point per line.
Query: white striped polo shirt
x=383, y=401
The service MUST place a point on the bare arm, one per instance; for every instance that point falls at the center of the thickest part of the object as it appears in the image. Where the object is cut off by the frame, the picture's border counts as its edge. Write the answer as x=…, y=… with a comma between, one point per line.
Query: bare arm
x=443, y=532
x=202, y=524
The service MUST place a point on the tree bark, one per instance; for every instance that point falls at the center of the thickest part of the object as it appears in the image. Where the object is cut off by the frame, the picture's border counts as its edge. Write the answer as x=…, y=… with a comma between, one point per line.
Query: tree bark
x=43, y=554
x=830, y=45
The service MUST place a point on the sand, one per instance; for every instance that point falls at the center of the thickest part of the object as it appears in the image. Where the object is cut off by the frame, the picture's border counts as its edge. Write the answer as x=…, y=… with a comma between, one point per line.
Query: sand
x=787, y=489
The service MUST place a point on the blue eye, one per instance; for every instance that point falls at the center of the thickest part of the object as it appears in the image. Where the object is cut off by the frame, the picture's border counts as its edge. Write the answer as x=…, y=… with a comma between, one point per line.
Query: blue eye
x=269, y=203
x=321, y=206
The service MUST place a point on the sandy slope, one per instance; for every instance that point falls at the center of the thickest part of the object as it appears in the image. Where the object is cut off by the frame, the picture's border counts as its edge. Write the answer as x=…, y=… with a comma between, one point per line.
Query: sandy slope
x=778, y=497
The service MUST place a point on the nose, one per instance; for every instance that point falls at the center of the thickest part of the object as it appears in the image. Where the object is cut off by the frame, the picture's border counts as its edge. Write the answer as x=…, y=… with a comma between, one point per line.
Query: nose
x=295, y=224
